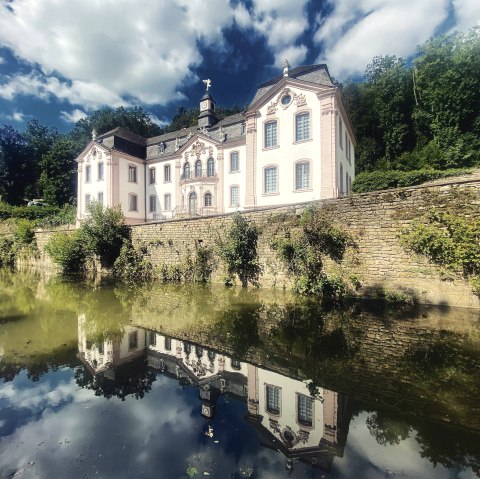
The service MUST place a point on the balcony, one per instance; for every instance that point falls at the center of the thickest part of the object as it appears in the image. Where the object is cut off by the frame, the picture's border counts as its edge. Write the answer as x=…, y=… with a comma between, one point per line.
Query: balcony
x=191, y=211
x=190, y=176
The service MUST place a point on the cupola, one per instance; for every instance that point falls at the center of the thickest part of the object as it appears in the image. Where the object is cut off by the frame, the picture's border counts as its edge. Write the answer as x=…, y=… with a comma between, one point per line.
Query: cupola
x=207, y=117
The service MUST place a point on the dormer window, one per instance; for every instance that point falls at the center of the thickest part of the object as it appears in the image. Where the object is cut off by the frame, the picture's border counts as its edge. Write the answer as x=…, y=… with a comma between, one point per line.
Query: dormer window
x=161, y=147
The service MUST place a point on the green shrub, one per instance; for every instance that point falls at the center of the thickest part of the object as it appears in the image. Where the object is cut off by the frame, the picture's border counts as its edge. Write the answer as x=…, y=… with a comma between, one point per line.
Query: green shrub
x=132, y=265
x=239, y=251
x=23, y=233
x=104, y=231
x=7, y=252
x=64, y=216
x=382, y=180
x=448, y=240
x=303, y=249
x=67, y=251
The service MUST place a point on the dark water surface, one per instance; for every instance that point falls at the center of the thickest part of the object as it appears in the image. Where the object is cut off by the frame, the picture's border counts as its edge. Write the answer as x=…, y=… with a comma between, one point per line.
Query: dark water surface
x=182, y=381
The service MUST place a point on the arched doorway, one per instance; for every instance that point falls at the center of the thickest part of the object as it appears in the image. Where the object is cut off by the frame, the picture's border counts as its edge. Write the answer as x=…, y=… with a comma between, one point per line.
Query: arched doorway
x=192, y=203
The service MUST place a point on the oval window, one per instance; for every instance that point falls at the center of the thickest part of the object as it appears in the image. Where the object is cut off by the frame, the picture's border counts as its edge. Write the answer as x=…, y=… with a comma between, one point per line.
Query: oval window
x=286, y=100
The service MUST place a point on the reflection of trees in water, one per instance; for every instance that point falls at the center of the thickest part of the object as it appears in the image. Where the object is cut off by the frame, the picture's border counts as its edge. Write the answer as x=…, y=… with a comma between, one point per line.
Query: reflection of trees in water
x=132, y=379
x=444, y=444
x=386, y=429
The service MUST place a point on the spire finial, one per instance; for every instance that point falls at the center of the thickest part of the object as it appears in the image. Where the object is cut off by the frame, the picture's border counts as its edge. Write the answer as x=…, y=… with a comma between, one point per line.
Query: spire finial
x=208, y=83
x=94, y=134
x=286, y=66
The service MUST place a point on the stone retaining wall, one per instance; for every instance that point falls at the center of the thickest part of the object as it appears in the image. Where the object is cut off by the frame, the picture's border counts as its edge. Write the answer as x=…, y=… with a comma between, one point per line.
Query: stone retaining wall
x=375, y=221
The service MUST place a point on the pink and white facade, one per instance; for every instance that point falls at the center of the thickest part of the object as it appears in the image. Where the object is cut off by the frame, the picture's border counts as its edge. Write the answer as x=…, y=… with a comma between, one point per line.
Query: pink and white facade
x=293, y=144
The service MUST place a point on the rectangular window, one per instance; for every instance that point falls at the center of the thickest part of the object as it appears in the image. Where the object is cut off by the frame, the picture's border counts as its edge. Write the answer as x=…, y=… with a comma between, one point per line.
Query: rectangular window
x=152, y=338
x=167, y=174
x=132, y=202
x=270, y=134
x=304, y=410
x=87, y=174
x=100, y=172
x=152, y=175
x=133, y=340
x=100, y=198
x=153, y=203
x=168, y=202
x=273, y=399
x=271, y=179
x=302, y=127
x=168, y=344
x=132, y=174
x=302, y=175
x=234, y=161
x=340, y=132
x=87, y=200
x=234, y=196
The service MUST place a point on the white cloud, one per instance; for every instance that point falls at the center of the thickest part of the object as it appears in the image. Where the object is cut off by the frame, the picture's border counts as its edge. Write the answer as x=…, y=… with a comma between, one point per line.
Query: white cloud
x=157, y=120
x=282, y=22
x=16, y=116
x=2, y=60
x=109, y=51
x=358, y=30
x=467, y=14
x=73, y=116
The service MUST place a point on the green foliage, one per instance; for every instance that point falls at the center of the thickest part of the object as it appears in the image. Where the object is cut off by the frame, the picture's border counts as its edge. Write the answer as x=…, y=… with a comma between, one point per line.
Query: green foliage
x=64, y=216
x=23, y=233
x=449, y=240
x=239, y=251
x=303, y=251
x=420, y=115
x=7, y=252
x=67, y=251
x=132, y=265
x=382, y=180
x=57, y=179
x=104, y=232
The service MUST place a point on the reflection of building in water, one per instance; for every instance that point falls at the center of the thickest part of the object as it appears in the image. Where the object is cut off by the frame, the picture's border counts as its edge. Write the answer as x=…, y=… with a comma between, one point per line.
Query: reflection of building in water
x=281, y=410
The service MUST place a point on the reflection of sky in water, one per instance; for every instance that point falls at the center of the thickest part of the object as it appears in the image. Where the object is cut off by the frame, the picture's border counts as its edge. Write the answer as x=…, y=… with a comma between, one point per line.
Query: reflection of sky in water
x=52, y=428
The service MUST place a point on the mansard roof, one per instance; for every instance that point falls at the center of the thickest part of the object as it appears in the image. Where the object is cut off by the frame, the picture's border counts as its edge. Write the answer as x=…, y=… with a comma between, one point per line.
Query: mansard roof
x=317, y=74
x=125, y=134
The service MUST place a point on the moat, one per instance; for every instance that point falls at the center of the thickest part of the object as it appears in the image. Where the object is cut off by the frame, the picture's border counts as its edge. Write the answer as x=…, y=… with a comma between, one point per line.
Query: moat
x=178, y=381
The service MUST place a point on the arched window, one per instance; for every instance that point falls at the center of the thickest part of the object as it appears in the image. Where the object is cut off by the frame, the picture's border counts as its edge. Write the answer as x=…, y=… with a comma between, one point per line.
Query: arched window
x=192, y=203
x=208, y=199
x=186, y=170
x=198, y=168
x=211, y=167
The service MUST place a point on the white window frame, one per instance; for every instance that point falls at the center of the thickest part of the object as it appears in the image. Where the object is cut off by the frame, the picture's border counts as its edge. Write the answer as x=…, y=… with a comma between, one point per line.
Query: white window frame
x=152, y=175
x=152, y=201
x=205, y=200
x=234, y=166
x=234, y=204
x=167, y=174
x=100, y=171
x=132, y=174
x=309, y=175
x=305, y=135
x=273, y=143
x=131, y=197
x=167, y=201
x=88, y=174
x=100, y=197
x=264, y=179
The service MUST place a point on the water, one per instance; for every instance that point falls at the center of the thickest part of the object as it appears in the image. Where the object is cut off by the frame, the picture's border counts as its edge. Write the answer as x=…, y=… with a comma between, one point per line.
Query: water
x=181, y=381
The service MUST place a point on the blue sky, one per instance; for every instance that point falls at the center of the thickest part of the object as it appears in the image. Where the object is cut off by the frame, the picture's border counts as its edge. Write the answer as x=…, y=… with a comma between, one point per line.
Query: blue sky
x=62, y=59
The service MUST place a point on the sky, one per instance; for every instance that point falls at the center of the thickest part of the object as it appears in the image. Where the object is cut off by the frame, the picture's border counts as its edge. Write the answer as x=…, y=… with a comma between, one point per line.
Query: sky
x=62, y=59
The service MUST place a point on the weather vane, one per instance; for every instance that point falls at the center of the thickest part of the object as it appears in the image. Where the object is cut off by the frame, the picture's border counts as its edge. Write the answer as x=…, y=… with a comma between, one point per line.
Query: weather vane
x=208, y=83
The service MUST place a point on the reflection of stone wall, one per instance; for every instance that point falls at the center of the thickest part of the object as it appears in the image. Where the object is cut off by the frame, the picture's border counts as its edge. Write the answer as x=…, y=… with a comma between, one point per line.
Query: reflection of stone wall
x=375, y=220
x=384, y=365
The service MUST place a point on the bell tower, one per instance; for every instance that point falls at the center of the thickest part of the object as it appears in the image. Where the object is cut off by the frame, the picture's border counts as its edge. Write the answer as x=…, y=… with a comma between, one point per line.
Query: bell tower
x=207, y=117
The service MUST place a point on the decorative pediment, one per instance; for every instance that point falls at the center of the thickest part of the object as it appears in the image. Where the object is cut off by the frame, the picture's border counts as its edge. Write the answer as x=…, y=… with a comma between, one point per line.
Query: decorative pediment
x=198, y=148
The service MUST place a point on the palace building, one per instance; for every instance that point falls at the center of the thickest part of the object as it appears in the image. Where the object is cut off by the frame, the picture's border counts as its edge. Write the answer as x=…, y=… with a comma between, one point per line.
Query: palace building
x=293, y=144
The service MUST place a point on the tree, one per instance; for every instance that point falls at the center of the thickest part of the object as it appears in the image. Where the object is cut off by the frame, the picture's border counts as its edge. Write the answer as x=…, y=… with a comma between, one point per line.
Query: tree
x=58, y=179
x=135, y=119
